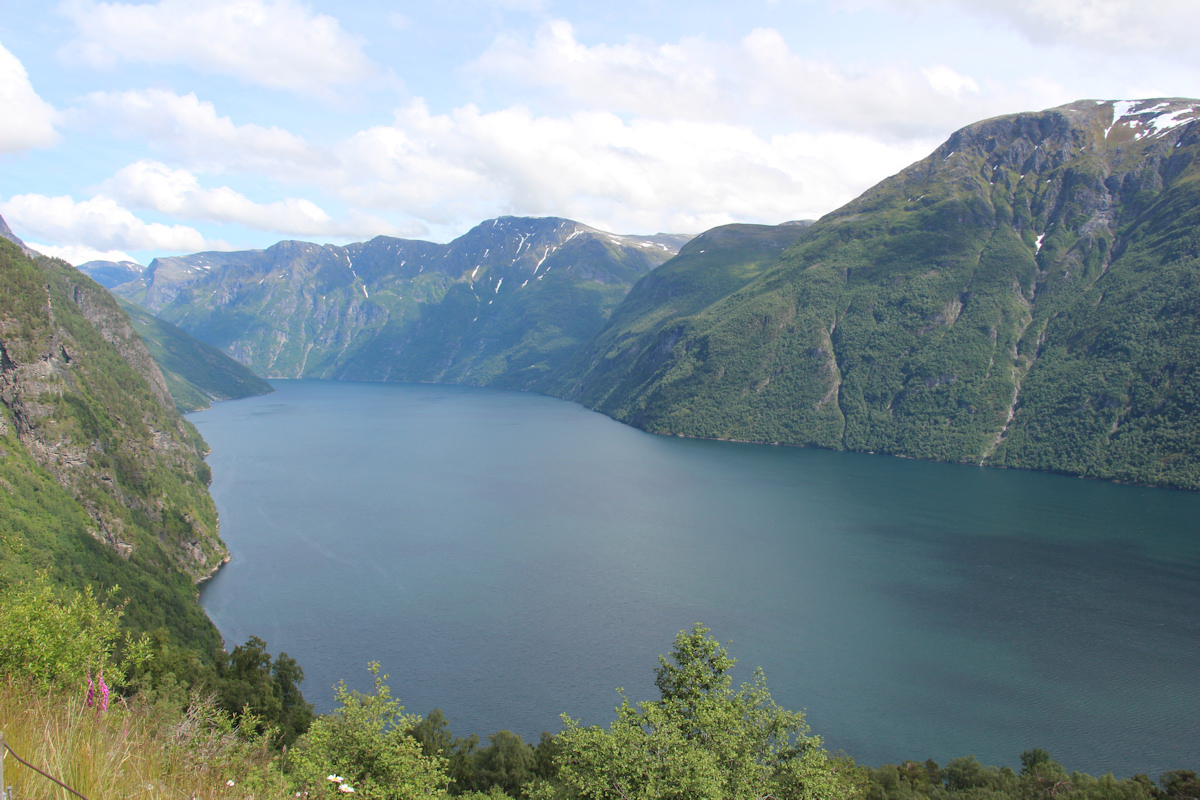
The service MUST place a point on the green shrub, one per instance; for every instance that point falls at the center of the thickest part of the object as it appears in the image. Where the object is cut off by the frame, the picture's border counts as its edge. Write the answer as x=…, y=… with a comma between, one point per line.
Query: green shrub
x=62, y=638
x=365, y=745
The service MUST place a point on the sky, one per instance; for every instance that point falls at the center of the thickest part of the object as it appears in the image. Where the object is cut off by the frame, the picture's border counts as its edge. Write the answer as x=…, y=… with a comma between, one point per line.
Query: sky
x=130, y=130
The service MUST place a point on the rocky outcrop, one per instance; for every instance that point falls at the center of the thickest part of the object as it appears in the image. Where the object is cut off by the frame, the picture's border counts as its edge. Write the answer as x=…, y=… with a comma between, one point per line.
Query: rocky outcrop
x=6, y=233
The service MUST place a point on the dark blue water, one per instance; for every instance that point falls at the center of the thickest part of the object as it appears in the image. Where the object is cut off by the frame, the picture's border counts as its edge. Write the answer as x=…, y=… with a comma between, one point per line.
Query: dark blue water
x=509, y=557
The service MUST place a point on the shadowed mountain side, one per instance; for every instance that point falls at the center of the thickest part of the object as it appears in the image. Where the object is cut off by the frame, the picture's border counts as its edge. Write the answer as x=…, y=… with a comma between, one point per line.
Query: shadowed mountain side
x=196, y=373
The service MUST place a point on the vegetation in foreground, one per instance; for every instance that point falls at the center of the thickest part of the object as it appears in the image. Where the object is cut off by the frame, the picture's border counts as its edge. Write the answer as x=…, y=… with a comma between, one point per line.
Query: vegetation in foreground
x=153, y=736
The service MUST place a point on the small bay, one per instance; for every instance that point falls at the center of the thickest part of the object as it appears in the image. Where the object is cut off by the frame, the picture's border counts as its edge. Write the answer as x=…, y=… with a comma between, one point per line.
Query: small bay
x=509, y=557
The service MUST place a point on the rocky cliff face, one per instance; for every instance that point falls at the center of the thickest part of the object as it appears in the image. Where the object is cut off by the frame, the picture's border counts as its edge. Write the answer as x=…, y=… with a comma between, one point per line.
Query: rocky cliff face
x=501, y=305
x=1025, y=296
x=91, y=445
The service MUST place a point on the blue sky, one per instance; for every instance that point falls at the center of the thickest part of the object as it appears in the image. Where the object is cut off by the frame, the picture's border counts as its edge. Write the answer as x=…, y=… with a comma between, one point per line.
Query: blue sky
x=133, y=130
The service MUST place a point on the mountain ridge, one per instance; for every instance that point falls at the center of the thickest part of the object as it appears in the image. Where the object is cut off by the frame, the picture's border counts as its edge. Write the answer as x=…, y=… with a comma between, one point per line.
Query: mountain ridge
x=500, y=305
x=1021, y=297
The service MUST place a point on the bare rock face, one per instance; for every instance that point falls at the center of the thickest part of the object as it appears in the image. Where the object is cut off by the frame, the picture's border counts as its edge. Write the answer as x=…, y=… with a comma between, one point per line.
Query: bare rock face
x=114, y=326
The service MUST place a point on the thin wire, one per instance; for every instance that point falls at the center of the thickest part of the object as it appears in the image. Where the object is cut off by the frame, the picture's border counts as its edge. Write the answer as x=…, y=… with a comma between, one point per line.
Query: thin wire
x=43, y=774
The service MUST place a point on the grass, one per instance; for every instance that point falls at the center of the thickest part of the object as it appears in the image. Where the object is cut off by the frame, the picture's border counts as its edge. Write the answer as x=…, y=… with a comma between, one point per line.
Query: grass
x=131, y=750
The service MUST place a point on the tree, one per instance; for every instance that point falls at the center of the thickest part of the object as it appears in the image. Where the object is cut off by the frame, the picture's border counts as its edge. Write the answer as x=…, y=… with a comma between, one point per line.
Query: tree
x=366, y=743
x=433, y=735
x=1042, y=777
x=1182, y=784
x=701, y=740
x=507, y=762
x=248, y=681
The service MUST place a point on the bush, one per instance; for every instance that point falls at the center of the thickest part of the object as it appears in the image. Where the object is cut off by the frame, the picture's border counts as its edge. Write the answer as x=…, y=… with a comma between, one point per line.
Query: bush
x=364, y=748
x=62, y=639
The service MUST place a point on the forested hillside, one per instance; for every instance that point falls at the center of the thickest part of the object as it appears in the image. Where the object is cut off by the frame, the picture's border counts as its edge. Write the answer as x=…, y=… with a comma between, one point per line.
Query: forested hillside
x=102, y=483
x=1026, y=296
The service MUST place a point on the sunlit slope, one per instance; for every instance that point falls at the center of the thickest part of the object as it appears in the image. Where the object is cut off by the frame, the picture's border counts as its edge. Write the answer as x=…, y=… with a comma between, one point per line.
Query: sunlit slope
x=1025, y=296
x=642, y=331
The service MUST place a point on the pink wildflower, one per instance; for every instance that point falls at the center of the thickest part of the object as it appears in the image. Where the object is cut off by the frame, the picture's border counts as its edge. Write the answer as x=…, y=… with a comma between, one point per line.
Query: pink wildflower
x=103, y=692
x=91, y=693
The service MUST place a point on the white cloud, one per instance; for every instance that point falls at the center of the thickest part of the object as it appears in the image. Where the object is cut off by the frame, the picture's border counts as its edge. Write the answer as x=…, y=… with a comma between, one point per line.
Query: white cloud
x=100, y=223
x=1162, y=28
x=27, y=120
x=449, y=170
x=947, y=81
x=759, y=77
x=280, y=44
x=178, y=193
x=643, y=175
x=81, y=254
x=191, y=131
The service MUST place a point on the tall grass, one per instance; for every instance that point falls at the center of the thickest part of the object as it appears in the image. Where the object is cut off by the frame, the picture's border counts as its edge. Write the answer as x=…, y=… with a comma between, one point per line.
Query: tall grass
x=131, y=750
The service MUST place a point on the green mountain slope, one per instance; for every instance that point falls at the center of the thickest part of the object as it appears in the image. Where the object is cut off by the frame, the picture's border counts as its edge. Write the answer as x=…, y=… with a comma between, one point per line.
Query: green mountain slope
x=1026, y=296
x=502, y=305
x=195, y=373
x=643, y=329
x=101, y=481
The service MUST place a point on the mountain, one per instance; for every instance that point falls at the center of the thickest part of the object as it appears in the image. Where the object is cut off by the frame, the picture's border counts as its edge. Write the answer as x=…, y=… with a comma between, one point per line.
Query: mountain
x=196, y=374
x=101, y=481
x=503, y=305
x=706, y=269
x=1026, y=296
x=112, y=273
x=6, y=233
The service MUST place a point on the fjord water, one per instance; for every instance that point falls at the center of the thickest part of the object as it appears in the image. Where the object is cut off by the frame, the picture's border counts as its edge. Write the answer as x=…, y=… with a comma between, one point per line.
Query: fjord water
x=509, y=557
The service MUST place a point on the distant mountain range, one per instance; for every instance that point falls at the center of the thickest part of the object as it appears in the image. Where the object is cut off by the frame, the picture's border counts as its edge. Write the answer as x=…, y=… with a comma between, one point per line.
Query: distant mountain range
x=112, y=273
x=505, y=304
x=1026, y=296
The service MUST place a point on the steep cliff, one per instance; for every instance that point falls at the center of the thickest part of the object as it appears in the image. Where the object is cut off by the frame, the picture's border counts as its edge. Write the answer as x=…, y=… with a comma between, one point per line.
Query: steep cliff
x=101, y=481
